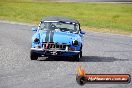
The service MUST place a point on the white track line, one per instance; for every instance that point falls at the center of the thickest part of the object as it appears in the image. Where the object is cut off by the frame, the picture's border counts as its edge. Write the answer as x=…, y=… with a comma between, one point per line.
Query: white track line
x=11, y=22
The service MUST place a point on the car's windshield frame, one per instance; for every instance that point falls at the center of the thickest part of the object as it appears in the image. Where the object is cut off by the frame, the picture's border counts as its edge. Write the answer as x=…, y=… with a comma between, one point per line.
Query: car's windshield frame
x=59, y=26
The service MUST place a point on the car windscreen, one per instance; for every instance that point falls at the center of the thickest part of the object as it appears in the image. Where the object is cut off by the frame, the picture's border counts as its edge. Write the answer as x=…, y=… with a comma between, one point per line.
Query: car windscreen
x=59, y=26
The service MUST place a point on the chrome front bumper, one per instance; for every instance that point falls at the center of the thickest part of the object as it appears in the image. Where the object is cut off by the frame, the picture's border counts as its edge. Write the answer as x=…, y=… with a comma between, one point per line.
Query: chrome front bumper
x=54, y=50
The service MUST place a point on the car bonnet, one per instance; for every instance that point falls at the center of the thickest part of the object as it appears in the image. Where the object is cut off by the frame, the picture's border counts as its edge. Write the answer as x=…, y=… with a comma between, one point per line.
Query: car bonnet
x=57, y=37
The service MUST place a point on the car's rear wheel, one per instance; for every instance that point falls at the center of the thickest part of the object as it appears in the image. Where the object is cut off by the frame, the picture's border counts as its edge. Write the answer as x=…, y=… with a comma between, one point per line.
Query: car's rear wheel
x=33, y=55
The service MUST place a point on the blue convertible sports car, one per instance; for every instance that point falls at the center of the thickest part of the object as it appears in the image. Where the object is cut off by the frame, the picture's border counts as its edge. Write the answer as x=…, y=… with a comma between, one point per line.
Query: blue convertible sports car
x=57, y=36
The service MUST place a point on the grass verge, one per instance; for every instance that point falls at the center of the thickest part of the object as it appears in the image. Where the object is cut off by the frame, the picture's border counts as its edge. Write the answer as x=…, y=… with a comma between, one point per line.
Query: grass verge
x=102, y=17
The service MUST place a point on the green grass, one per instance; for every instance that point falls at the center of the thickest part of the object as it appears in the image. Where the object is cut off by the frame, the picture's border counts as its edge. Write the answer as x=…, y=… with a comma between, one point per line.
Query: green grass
x=110, y=16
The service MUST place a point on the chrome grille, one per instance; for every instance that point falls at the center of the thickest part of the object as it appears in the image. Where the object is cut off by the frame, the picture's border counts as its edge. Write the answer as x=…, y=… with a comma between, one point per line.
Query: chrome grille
x=52, y=45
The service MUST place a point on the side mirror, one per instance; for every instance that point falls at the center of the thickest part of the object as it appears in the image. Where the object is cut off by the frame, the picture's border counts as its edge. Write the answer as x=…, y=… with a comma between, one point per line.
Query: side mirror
x=34, y=29
x=82, y=32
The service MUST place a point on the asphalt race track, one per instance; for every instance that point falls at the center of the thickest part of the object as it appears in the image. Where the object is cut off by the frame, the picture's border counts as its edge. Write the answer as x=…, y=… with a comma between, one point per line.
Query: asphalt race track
x=102, y=53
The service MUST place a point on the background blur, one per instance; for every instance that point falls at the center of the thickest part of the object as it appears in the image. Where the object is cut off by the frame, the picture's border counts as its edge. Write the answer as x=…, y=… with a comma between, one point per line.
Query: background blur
x=115, y=17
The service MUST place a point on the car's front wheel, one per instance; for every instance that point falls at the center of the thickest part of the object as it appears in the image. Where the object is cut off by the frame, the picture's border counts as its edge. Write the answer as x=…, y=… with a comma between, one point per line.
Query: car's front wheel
x=77, y=57
x=33, y=55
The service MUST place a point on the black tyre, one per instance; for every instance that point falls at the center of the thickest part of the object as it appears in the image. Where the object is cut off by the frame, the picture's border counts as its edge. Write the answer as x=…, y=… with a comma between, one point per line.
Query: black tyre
x=81, y=53
x=33, y=55
x=78, y=56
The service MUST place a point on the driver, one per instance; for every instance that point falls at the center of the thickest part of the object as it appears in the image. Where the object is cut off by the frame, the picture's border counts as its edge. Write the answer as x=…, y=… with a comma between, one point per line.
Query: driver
x=52, y=27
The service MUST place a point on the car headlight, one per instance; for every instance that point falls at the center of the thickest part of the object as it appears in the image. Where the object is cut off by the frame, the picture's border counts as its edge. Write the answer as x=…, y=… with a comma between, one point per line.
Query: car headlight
x=75, y=42
x=36, y=40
